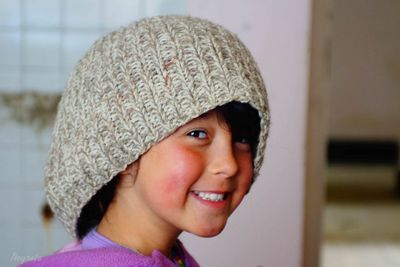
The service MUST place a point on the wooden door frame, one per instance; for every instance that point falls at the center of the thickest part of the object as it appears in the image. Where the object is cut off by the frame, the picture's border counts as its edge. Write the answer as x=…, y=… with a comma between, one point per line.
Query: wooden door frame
x=317, y=130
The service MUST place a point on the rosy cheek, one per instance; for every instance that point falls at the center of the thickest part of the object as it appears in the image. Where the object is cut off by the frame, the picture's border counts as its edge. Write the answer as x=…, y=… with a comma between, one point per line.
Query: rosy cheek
x=244, y=185
x=185, y=169
x=245, y=178
x=246, y=171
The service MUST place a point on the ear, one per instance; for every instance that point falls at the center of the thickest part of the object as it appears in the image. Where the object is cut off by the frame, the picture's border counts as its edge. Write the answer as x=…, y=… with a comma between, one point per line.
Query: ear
x=129, y=174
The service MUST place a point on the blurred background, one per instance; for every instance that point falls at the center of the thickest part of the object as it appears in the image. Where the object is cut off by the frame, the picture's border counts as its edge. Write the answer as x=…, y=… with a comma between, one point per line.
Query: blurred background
x=329, y=191
x=361, y=219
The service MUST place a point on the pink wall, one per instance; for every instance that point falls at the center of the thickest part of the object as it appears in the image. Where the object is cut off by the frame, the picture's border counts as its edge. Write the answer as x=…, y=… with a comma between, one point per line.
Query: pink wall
x=267, y=229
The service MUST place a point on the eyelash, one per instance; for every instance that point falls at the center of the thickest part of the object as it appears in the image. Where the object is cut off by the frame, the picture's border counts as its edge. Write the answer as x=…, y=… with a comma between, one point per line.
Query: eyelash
x=196, y=134
x=201, y=134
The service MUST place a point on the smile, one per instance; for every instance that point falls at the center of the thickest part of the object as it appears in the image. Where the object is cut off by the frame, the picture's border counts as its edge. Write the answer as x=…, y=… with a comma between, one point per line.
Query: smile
x=210, y=196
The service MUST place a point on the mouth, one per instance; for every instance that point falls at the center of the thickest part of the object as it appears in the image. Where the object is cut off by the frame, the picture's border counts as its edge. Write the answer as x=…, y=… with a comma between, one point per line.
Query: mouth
x=210, y=196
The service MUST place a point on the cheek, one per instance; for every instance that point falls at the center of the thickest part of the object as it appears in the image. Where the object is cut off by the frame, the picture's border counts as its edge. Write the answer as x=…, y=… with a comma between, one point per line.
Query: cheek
x=246, y=171
x=244, y=181
x=184, y=168
x=247, y=183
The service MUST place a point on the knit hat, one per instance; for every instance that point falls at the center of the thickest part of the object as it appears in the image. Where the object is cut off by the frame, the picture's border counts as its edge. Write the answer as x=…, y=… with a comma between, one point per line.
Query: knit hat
x=134, y=87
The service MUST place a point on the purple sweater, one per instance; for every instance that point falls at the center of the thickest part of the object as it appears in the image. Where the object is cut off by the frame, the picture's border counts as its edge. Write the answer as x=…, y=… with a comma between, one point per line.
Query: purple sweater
x=97, y=251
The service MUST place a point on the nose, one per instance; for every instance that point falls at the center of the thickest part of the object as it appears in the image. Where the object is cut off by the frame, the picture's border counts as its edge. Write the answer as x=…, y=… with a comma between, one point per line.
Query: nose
x=223, y=162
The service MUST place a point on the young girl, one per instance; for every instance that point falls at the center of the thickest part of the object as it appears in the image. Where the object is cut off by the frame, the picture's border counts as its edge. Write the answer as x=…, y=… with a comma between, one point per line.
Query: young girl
x=161, y=129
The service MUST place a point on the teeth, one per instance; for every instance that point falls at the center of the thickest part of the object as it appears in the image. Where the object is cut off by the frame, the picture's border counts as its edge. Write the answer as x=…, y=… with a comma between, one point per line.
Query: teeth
x=210, y=196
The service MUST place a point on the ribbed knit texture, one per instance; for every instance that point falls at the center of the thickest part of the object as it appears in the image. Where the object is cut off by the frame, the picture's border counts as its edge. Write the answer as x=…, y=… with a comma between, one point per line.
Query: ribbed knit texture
x=134, y=87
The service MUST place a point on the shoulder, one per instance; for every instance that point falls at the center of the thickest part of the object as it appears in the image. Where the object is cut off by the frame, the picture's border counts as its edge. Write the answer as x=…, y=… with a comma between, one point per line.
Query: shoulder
x=98, y=257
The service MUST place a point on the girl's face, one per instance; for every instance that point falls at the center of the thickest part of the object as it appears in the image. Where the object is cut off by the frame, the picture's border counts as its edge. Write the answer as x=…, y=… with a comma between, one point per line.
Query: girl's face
x=194, y=179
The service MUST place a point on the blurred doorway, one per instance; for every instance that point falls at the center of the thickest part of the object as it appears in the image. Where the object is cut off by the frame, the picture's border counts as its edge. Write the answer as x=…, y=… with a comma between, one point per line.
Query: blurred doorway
x=361, y=217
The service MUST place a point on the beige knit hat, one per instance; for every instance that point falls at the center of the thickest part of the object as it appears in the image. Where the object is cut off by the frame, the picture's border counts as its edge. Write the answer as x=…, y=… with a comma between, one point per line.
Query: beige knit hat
x=134, y=87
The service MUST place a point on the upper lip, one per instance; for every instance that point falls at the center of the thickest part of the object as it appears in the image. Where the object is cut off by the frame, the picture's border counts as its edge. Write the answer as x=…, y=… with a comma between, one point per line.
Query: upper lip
x=213, y=191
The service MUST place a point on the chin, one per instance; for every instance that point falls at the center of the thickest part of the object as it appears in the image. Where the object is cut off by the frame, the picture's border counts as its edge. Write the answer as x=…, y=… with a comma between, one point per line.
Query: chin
x=209, y=232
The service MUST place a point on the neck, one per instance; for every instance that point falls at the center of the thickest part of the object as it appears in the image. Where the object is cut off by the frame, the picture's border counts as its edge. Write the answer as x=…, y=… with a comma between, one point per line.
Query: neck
x=134, y=229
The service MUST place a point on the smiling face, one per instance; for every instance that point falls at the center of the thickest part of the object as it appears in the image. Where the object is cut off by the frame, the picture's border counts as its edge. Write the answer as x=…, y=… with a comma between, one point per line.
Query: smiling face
x=195, y=178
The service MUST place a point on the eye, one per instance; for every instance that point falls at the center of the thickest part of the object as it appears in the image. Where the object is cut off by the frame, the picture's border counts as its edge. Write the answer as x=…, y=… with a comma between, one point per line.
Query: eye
x=242, y=143
x=201, y=134
x=242, y=140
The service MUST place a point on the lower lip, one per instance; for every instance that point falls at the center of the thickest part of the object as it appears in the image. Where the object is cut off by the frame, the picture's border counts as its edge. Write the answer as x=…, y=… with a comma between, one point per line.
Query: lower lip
x=212, y=204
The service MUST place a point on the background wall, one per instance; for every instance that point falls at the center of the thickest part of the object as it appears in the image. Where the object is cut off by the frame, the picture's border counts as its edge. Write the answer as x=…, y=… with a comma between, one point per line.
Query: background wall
x=365, y=96
x=40, y=42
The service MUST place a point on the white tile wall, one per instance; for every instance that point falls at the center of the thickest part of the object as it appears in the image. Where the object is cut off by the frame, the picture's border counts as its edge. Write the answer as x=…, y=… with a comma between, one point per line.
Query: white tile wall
x=37, y=241
x=121, y=12
x=42, y=80
x=60, y=236
x=75, y=44
x=83, y=14
x=41, y=49
x=10, y=204
x=42, y=13
x=40, y=43
x=37, y=139
x=33, y=199
x=42, y=241
x=10, y=79
x=10, y=13
x=11, y=250
x=10, y=48
x=164, y=7
x=10, y=133
x=34, y=160
x=10, y=165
